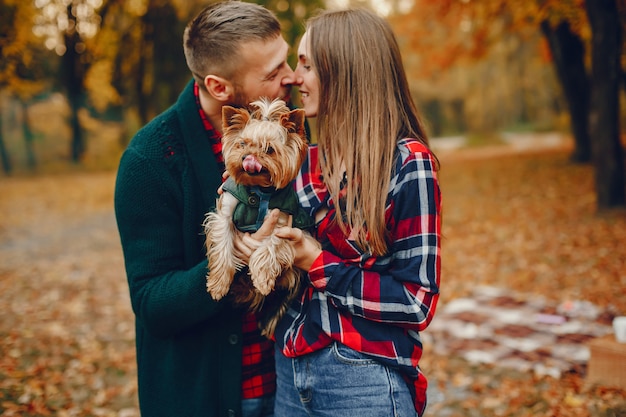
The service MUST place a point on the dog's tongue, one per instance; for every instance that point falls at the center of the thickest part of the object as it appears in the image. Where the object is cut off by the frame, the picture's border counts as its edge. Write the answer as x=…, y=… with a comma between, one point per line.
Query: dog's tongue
x=251, y=164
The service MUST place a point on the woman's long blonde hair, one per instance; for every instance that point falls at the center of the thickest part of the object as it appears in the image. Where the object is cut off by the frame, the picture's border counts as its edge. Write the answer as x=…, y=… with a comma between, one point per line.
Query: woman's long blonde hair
x=365, y=108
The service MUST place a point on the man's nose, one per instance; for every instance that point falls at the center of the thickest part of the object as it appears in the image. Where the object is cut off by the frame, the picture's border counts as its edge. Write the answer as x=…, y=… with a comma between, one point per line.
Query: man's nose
x=289, y=78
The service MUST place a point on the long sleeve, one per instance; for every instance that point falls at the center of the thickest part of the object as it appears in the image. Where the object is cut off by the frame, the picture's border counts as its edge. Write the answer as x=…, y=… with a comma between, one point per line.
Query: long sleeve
x=189, y=347
x=375, y=305
x=168, y=294
x=401, y=288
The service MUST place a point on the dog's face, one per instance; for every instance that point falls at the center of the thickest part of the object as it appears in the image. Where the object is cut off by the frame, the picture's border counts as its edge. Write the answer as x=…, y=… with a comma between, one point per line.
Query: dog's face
x=264, y=147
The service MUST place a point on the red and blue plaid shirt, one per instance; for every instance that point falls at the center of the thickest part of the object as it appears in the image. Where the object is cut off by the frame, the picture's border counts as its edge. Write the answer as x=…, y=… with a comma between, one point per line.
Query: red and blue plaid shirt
x=375, y=305
x=258, y=372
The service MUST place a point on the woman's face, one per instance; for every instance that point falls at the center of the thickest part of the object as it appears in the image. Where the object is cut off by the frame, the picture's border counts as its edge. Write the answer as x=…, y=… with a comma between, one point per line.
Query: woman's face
x=306, y=79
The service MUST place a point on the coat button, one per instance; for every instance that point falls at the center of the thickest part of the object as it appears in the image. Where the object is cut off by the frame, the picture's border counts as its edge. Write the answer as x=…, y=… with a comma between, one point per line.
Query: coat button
x=233, y=339
x=253, y=200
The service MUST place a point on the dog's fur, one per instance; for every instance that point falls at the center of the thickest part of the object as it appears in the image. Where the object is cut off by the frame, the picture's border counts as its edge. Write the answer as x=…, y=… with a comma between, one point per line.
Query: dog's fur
x=263, y=148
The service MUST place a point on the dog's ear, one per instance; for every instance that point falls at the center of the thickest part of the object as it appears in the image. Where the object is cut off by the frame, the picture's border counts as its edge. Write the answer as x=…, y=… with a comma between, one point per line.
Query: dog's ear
x=234, y=118
x=294, y=122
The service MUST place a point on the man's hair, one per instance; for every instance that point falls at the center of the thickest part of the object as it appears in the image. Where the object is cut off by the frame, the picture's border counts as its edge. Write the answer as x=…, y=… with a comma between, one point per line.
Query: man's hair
x=212, y=40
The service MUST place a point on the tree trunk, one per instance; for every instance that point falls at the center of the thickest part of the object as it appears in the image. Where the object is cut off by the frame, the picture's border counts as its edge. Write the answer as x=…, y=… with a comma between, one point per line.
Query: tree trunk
x=143, y=84
x=568, y=53
x=74, y=73
x=4, y=152
x=31, y=160
x=169, y=71
x=162, y=70
x=608, y=157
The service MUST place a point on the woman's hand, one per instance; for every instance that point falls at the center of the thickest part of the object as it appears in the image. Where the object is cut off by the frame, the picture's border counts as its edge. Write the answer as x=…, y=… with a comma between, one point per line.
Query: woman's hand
x=307, y=248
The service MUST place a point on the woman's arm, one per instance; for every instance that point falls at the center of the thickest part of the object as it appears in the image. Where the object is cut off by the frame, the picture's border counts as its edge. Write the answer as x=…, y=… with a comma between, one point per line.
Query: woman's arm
x=403, y=288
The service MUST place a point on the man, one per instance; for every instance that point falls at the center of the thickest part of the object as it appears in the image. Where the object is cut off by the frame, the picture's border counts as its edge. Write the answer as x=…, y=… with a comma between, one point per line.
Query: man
x=196, y=356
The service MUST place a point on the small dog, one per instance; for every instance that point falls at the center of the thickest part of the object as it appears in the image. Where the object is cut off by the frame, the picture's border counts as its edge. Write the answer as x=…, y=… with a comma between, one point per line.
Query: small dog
x=263, y=151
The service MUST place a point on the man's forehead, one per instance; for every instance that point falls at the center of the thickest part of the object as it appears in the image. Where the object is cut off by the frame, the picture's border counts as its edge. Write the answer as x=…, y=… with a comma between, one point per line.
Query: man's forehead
x=268, y=55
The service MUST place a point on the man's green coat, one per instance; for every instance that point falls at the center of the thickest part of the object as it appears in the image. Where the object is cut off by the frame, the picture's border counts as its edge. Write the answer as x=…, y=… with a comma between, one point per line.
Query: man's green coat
x=188, y=346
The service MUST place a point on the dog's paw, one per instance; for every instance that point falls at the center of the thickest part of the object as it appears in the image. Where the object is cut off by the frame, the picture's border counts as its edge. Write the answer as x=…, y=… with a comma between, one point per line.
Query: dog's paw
x=263, y=272
x=217, y=286
x=263, y=283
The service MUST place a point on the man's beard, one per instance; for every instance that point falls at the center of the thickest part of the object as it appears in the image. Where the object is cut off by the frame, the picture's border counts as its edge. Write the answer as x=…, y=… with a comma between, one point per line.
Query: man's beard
x=240, y=99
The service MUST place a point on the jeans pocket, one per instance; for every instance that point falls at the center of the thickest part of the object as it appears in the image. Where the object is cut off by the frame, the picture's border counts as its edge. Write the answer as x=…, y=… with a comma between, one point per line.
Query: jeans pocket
x=347, y=355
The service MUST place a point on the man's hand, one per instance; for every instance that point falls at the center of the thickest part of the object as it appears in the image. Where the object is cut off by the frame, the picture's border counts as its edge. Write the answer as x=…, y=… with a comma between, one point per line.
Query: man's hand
x=225, y=176
x=246, y=243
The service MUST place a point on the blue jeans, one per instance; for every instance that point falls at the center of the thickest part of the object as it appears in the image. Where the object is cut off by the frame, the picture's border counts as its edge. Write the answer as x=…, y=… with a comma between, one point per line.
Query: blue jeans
x=336, y=382
x=258, y=407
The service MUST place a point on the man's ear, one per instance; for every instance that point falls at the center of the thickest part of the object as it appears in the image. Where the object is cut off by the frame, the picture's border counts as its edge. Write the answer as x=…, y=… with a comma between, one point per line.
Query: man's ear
x=219, y=88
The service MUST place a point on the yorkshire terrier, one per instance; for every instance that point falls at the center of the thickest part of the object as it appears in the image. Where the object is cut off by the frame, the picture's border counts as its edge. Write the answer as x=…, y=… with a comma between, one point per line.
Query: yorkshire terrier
x=263, y=150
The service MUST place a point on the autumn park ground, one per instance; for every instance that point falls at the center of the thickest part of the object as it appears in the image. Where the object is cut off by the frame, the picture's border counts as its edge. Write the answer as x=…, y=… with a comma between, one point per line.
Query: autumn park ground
x=522, y=220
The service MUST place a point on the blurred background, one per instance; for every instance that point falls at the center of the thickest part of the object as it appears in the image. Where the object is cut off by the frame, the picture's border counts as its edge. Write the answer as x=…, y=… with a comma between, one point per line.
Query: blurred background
x=79, y=77
x=524, y=101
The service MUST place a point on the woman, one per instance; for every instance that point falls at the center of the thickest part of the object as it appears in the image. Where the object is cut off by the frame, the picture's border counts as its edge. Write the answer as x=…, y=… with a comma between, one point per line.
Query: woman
x=351, y=344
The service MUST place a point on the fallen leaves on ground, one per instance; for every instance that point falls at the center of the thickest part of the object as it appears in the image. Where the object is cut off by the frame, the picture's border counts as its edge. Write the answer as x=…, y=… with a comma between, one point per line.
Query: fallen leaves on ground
x=530, y=223
x=527, y=222
x=66, y=328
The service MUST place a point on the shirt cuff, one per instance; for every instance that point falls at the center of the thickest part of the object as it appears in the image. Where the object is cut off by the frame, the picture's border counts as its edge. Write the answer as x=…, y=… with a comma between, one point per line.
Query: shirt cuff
x=320, y=271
